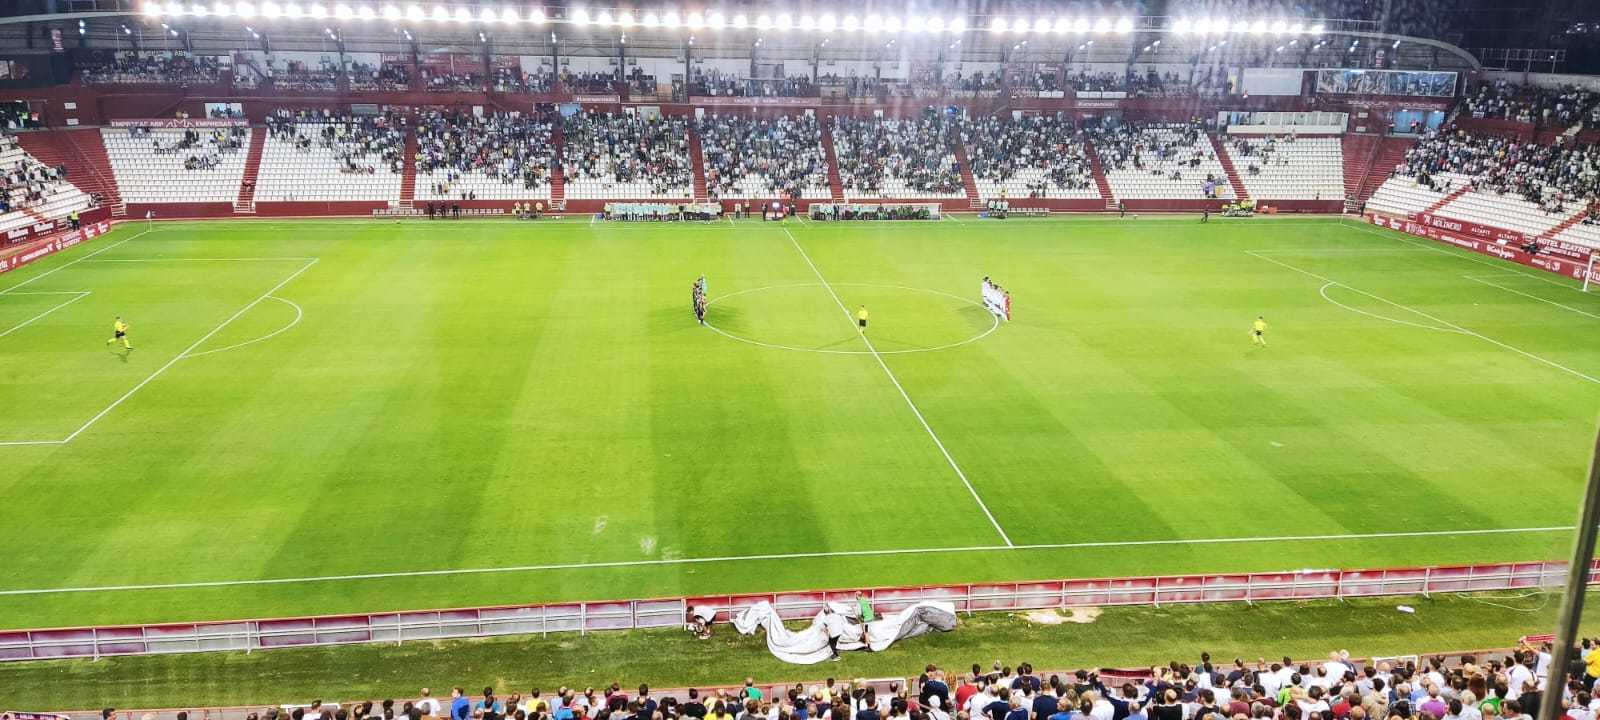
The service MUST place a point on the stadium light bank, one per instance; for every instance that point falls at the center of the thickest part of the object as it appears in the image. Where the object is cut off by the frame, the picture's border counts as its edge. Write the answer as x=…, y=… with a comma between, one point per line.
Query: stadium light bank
x=715, y=19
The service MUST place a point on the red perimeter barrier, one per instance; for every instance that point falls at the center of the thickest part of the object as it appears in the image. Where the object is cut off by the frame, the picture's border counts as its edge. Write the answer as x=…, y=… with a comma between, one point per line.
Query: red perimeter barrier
x=1558, y=257
x=51, y=244
x=582, y=617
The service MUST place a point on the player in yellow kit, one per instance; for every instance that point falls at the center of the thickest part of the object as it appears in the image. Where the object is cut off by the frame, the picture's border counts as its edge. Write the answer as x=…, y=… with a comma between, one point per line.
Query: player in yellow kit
x=119, y=331
x=1258, y=332
x=861, y=318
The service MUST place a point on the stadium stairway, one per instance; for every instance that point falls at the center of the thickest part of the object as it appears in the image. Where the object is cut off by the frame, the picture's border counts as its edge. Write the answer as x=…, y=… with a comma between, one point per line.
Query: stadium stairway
x=697, y=160
x=84, y=154
x=1239, y=191
x=1100, y=176
x=558, y=178
x=245, y=204
x=835, y=182
x=1446, y=200
x=1359, y=151
x=968, y=182
x=408, y=176
x=1386, y=152
x=1576, y=218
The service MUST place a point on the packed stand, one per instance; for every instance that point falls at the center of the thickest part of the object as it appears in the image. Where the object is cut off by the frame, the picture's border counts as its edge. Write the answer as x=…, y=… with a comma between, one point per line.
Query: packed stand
x=1565, y=106
x=1151, y=83
x=881, y=158
x=469, y=157
x=318, y=155
x=760, y=158
x=715, y=83
x=626, y=156
x=381, y=77
x=595, y=83
x=1509, y=184
x=172, y=165
x=433, y=81
x=1514, y=686
x=1165, y=161
x=1034, y=157
x=134, y=69
x=514, y=80
x=300, y=77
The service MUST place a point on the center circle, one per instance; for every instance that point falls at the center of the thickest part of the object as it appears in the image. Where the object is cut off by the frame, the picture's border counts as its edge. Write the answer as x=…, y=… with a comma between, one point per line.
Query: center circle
x=805, y=317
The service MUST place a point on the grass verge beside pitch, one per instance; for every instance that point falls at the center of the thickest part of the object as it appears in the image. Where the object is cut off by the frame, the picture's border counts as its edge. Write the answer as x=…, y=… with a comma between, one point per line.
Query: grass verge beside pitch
x=1120, y=637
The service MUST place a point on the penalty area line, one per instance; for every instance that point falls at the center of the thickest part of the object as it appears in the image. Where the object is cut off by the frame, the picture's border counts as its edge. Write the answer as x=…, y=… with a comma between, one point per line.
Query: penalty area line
x=1442, y=322
x=780, y=556
x=903, y=394
x=79, y=295
x=180, y=356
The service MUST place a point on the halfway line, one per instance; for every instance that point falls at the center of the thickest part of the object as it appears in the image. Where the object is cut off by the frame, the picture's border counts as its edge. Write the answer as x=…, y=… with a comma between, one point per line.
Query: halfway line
x=783, y=556
x=874, y=350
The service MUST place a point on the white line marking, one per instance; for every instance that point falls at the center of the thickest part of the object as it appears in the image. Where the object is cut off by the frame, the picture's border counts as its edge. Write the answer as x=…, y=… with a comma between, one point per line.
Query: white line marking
x=1351, y=537
x=1530, y=296
x=186, y=351
x=897, y=386
x=298, y=313
x=1440, y=321
x=1452, y=251
x=1324, y=293
x=9, y=443
x=51, y=292
x=79, y=296
x=774, y=346
x=55, y=270
x=201, y=259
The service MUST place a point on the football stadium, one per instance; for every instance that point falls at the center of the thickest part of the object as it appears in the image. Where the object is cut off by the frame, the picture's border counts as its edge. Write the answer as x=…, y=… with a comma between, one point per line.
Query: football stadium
x=1135, y=360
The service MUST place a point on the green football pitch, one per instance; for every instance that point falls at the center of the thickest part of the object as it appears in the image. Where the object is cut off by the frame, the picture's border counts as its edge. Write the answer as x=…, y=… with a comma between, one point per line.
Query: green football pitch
x=331, y=417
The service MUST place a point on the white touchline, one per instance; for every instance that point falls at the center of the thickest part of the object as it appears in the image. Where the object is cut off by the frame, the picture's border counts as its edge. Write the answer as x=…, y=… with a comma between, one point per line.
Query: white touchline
x=76, y=297
x=1454, y=252
x=185, y=353
x=55, y=270
x=914, y=411
x=1530, y=296
x=1350, y=537
x=1438, y=320
x=200, y=259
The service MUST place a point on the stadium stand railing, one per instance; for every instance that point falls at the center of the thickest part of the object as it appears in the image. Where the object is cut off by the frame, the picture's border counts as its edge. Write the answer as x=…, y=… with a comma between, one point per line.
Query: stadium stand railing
x=584, y=617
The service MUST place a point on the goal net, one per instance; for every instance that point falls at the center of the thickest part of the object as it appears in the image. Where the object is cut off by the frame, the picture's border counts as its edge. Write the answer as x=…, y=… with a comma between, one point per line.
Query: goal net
x=1591, y=274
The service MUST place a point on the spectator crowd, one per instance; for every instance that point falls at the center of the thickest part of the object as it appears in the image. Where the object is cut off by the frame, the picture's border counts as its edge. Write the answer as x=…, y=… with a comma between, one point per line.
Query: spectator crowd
x=897, y=158
x=27, y=183
x=511, y=149
x=1551, y=176
x=1563, y=106
x=361, y=143
x=1511, y=686
x=652, y=152
x=162, y=68
x=761, y=158
x=1048, y=152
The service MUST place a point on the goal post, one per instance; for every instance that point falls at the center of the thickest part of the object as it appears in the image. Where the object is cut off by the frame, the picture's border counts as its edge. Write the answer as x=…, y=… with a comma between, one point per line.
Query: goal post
x=1591, y=274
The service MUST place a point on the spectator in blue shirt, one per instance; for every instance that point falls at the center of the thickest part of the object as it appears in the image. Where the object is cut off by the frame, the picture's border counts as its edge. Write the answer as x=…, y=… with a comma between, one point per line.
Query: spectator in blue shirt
x=460, y=706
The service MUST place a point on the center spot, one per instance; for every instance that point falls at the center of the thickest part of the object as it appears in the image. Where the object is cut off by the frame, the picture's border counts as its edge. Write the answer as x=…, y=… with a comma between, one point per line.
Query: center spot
x=805, y=317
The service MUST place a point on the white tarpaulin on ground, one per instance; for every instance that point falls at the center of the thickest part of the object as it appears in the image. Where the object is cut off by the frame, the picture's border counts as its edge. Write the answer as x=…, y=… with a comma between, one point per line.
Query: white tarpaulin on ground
x=809, y=646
